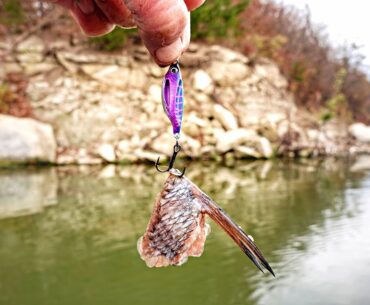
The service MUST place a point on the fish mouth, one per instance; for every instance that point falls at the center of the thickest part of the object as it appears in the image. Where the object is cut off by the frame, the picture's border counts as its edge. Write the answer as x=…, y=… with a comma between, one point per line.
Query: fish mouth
x=175, y=172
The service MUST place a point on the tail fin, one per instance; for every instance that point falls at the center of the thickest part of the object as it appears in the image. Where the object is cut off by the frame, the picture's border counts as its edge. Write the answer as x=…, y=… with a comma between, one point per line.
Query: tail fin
x=235, y=232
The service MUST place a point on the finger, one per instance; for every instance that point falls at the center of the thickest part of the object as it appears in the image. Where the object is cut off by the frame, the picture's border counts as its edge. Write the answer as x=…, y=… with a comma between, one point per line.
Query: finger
x=168, y=54
x=116, y=12
x=92, y=24
x=86, y=6
x=193, y=4
x=161, y=25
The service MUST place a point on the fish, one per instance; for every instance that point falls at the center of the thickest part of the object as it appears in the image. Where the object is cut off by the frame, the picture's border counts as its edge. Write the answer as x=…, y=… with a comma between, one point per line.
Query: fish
x=173, y=97
x=177, y=227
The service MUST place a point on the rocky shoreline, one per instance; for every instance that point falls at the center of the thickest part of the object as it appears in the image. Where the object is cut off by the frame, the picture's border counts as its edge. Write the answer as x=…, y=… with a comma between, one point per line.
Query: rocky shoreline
x=94, y=108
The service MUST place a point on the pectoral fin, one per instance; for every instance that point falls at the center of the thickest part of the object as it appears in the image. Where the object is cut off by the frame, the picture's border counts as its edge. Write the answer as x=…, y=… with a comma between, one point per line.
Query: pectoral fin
x=245, y=242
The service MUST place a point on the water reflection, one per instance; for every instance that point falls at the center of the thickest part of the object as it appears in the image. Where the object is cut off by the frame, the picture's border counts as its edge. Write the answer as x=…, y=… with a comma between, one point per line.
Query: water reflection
x=68, y=236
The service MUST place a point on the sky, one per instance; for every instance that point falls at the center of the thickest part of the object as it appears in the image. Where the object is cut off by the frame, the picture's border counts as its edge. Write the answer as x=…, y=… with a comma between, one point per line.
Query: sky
x=346, y=21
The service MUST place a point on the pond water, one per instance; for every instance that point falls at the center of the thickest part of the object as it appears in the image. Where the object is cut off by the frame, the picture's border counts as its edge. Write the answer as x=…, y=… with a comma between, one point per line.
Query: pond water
x=68, y=236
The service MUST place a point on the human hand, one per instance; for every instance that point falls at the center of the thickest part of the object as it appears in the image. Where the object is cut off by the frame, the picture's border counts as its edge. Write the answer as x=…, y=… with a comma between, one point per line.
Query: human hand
x=164, y=25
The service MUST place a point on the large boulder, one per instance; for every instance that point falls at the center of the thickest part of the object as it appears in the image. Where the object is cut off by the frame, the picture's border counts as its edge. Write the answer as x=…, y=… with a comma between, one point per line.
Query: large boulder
x=26, y=141
x=233, y=138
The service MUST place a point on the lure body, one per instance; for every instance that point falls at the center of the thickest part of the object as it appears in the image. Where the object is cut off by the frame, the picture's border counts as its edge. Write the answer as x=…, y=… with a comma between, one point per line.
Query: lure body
x=177, y=228
x=173, y=97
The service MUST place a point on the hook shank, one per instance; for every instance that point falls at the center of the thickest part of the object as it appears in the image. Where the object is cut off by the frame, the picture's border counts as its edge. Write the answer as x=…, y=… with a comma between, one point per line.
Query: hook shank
x=176, y=150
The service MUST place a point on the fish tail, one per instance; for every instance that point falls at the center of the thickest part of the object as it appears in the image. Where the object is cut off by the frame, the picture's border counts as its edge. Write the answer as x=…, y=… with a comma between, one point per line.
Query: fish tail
x=244, y=241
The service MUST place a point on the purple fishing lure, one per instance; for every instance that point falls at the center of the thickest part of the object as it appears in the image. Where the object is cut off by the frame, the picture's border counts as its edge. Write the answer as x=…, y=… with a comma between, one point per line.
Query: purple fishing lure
x=173, y=97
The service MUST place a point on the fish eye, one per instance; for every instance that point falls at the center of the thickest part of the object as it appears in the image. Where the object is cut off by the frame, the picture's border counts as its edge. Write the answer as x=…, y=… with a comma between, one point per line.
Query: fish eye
x=174, y=70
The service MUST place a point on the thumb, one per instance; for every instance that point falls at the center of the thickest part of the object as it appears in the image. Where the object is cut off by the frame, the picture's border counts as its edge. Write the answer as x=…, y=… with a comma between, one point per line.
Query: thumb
x=162, y=27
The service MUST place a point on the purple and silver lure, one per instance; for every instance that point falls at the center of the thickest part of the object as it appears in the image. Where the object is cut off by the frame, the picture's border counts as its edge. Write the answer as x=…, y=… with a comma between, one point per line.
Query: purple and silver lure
x=173, y=98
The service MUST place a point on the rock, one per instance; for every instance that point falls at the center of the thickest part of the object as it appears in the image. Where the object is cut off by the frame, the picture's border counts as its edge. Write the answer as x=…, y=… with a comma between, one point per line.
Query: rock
x=124, y=147
x=247, y=152
x=234, y=138
x=31, y=50
x=207, y=150
x=195, y=56
x=84, y=157
x=114, y=75
x=228, y=74
x=65, y=63
x=32, y=68
x=11, y=67
x=285, y=128
x=202, y=81
x=33, y=45
x=120, y=103
x=155, y=92
x=148, y=155
x=106, y=152
x=65, y=159
x=97, y=58
x=226, y=95
x=163, y=144
x=192, y=147
x=264, y=146
x=26, y=141
x=316, y=136
x=360, y=132
x=28, y=58
x=270, y=71
x=191, y=129
x=268, y=131
x=155, y=71
x=225, y=117
x=194, y=119
x=217, y=52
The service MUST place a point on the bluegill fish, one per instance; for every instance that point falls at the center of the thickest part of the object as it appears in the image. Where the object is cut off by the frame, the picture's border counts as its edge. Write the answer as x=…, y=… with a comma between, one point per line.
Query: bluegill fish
x=177, y=228
x=173, y=97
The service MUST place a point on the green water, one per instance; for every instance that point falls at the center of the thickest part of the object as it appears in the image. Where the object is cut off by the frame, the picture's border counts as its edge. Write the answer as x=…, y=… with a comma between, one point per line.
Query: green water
x=68, y=236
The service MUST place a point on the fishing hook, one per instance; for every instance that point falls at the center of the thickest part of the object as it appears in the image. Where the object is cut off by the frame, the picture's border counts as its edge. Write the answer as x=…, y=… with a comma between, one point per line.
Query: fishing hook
x=176, y=149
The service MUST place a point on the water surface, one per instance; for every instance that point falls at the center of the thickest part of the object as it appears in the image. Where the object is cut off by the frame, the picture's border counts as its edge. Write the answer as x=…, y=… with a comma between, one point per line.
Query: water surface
x=68, y=236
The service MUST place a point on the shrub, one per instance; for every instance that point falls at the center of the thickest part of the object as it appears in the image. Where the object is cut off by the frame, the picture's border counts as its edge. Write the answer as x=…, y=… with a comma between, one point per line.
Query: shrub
x=13, y=98
x=319, y=75
x=12, y=12
x=217, y=19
